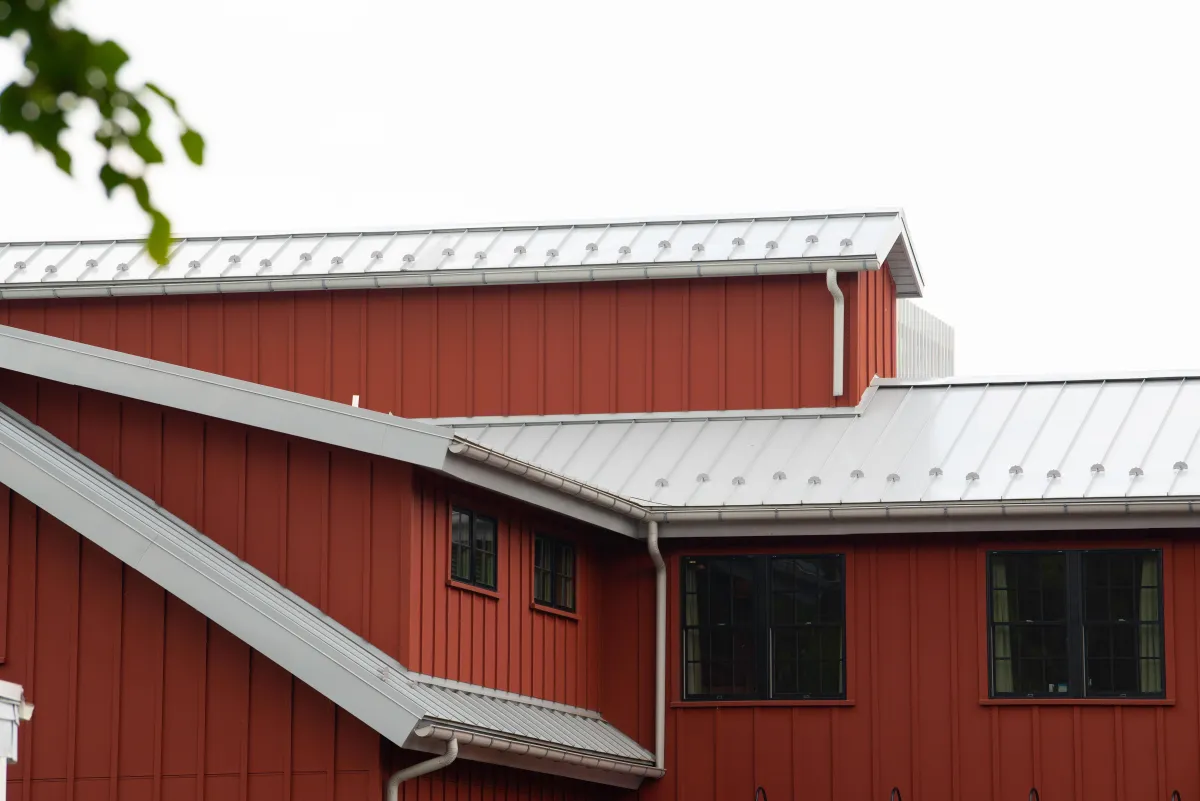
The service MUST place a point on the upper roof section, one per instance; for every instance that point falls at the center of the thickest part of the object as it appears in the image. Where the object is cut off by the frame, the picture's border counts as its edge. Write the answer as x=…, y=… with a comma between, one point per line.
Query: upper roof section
x=517, y=254
x=993, y=440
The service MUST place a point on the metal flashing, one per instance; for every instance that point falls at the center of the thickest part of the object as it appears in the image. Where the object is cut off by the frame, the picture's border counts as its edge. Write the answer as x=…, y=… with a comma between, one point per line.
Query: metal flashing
x=226, y=398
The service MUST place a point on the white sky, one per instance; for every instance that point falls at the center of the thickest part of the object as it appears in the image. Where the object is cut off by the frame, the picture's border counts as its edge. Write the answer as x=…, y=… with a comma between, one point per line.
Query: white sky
x=1046, y=153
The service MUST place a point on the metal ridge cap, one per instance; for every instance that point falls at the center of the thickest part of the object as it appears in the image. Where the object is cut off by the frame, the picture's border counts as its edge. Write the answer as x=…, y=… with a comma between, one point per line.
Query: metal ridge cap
x=539, y=749
x=445, y=227
x=931, y=509
x=568, y=486
x=645, y=417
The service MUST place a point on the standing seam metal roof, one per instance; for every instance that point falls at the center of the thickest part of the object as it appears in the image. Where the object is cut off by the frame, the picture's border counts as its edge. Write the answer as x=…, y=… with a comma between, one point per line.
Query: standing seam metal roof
x=621, y=250
x=933, y=442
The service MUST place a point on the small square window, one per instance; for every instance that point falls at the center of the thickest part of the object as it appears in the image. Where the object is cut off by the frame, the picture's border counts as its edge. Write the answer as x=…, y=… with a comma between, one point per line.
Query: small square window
x=472, y=548
x=554, y=573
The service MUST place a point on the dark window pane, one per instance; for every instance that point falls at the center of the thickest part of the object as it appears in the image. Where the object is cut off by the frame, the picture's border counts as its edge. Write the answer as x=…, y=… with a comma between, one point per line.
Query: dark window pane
x=460, y=547
x=807, y=623
x=1028, y=608
x=1123, y=614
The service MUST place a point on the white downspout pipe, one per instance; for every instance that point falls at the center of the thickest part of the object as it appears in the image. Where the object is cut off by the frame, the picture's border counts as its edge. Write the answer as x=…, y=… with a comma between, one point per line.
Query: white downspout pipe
x=839, y=330
x=420, y=769
x=660, y=645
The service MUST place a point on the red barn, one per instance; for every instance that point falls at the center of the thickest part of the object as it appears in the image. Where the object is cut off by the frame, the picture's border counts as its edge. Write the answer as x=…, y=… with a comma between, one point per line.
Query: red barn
x=574, y=511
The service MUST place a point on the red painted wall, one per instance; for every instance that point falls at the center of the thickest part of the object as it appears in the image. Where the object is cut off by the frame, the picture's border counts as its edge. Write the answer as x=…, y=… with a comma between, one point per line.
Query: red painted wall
x=628, y=346
x=129, y=681
x=915, y=679
x=499, y=639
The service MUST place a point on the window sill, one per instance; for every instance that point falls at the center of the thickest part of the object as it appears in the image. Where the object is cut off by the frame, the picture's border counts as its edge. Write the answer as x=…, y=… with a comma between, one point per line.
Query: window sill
x=1077, y=701
x=486, y=593
x=764, y=703
x=550, y=610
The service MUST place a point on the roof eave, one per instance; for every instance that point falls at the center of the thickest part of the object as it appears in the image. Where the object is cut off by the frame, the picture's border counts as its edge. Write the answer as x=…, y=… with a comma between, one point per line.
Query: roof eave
x=399, y=279
x=495, y=749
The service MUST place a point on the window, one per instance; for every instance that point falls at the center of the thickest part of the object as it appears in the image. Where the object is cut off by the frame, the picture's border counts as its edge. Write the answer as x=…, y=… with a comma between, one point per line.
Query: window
x=473, y=548
x=554, y=573
x=1076, y=624
x=764, y=627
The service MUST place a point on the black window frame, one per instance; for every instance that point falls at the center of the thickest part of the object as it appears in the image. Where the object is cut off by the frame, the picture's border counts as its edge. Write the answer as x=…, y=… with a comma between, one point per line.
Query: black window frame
x=475, y=561
x=554, y=547
x=763, y=629
x=1077, y=623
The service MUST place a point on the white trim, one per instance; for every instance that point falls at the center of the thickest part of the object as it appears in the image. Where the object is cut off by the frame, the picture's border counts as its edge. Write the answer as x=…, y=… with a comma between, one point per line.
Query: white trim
x=434, y=278
x=1063, y=378
x=647, y=417
x=226, y=398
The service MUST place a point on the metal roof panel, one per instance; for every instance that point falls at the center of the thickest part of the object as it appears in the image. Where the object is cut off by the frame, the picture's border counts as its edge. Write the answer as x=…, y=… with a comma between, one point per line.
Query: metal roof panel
x=628, y=249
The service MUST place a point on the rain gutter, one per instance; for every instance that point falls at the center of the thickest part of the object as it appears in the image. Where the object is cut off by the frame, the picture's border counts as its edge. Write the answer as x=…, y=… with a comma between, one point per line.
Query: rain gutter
x=435, y=278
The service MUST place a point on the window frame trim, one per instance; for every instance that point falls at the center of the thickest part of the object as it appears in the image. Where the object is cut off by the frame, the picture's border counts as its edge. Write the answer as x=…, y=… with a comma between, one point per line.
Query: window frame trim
x=471, y=583
x=556, y=543
x=1076, y=644
x=764, y=672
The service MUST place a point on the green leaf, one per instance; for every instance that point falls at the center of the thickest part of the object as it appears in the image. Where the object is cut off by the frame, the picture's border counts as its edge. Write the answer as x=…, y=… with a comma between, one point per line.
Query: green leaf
x=170, y=101
x=159, y=242
x=193, y=145
x=109, y=57
x=111, y=179
x=146, y=149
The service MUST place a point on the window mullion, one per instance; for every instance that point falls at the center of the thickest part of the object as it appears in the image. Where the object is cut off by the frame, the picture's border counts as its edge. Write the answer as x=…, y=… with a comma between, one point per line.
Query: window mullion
x=1075, y=631
x=762, y=627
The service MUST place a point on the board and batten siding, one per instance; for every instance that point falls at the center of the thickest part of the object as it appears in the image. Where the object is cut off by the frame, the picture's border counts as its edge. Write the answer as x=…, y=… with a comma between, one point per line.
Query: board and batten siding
x=917, y=715
x=624, y=346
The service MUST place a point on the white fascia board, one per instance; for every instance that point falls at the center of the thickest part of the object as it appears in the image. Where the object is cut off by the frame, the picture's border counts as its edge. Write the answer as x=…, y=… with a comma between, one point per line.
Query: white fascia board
x=225, y=398
x=297, y=636
x=523, y=489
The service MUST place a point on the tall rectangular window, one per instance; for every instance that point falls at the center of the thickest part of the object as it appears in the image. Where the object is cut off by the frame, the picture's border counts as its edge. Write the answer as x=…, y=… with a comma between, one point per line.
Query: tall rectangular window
x=554, y=573
x=760, y=627
x=1076, y=624
x=472, y=548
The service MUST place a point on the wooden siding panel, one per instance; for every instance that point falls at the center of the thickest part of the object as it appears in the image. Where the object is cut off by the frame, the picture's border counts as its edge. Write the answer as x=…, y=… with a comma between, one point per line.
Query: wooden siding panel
x=701, y=344
x=498, y=639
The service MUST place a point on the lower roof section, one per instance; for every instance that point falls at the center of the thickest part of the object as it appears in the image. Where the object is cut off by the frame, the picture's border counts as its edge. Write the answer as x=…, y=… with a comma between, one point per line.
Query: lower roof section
x=923, y=446
x=300, y=638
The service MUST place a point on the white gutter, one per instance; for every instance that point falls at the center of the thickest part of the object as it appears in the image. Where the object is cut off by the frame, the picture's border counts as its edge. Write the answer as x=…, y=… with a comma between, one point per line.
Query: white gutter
x=429, y=278
x=563, y=484
x=660, y=644
x=421, y=768
x=839, y=330
x=927, y=511
x=520, y=748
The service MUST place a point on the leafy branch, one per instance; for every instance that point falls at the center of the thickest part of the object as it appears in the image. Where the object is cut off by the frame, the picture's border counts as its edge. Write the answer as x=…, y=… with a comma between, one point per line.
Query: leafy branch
x=66, y=69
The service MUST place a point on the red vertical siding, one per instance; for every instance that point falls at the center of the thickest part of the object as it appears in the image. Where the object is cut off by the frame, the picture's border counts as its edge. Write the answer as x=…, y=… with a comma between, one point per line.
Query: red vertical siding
x=914, y=718
x=140, y=697
x=632, y=346
x=496, y=638
x=137, y=695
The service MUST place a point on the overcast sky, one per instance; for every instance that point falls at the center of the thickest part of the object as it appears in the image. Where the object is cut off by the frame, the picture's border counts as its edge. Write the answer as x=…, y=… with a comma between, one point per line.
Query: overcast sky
x=1046, y=153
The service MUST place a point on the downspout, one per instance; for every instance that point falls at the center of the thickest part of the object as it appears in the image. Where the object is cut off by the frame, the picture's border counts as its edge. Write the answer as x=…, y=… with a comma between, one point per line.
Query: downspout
x=839, y=329
x=660, y=645
x=420, y=769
